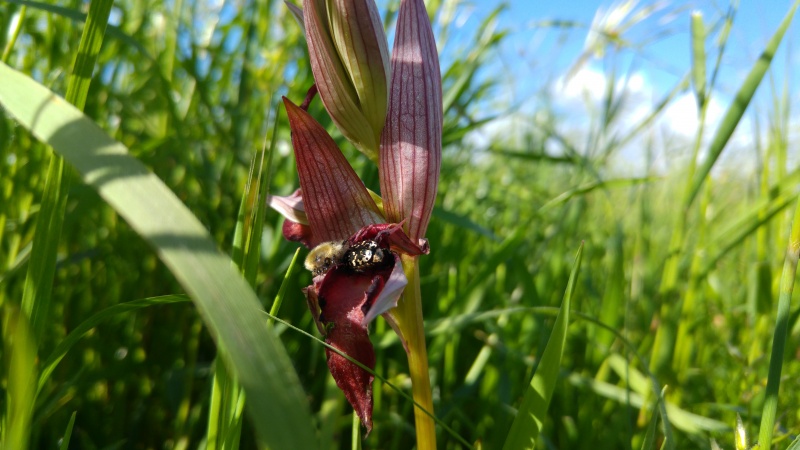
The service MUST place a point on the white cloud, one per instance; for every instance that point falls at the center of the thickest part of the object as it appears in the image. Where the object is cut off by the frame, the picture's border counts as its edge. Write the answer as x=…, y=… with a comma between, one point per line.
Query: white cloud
x=578, y=101
x=585, y=84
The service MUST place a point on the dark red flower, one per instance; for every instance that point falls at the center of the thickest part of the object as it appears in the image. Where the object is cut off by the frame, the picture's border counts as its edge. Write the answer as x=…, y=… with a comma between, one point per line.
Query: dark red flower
x=356, y=250
x=355, y=256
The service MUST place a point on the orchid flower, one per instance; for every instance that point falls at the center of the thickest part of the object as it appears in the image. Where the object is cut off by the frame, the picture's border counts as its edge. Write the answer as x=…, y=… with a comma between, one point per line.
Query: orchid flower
x=364, y=257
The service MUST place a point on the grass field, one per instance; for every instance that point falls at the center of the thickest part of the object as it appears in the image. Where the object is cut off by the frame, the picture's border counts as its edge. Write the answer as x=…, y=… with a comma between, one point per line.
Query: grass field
x=113, y=298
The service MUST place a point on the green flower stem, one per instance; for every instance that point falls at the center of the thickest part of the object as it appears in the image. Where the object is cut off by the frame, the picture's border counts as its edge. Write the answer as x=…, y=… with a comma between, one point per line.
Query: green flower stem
x=408, y=315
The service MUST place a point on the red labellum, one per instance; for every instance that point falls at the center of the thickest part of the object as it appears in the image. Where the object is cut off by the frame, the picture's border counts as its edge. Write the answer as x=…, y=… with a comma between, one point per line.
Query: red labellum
x=353, y=287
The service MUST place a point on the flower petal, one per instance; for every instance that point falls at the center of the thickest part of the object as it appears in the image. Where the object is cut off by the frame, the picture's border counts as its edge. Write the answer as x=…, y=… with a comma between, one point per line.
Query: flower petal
x=290, y=206
x=389, y=294
x=411, y=144
x=342, y=297
x=298, y=232
x=335, y=200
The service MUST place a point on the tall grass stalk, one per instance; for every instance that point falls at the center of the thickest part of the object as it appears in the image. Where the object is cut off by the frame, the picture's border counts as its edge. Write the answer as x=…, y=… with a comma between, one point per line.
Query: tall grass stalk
x=768, y=416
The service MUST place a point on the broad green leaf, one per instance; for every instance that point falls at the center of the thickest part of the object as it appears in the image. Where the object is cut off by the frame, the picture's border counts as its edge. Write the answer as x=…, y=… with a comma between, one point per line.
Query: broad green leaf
x=229, y=307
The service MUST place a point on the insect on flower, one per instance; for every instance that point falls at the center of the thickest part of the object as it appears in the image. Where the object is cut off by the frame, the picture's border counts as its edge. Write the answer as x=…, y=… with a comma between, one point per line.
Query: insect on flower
x=355, y=257
x=358, y=257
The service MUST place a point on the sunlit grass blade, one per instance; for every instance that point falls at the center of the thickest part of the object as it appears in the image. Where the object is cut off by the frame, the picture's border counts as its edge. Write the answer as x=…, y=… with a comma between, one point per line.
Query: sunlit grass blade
x=293, y=267
x=14, y=34
x=468, y=67
x=42, y=263
x=462, y=222
x=780, y=336
x=228, y=305
x=19, y=346
x=531, y=414
x=533, y=156
x=224, y=414
x=740, y=432
x=722, y=42
x=664, y=345
x=77, y=16
x=257, y=206
x=698, y=58
x=737, y=108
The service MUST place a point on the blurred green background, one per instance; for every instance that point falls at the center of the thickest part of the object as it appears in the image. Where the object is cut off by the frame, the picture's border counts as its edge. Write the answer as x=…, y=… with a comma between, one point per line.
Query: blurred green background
x=192, y=89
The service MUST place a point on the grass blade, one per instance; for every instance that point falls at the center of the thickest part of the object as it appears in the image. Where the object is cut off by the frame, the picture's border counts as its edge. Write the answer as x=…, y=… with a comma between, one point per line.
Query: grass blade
x=781, y=334
x=229, y=307
x=531, y=414
x=650, y=437
x=737, y=108
x=227, y=397
x=41, y=270
x=699, y=58
x=20, y=344
x=68, y=432
x=795, y=445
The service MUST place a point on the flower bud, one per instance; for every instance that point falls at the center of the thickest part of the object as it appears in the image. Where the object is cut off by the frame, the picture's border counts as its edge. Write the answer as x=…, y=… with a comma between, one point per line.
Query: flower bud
x=350, y=62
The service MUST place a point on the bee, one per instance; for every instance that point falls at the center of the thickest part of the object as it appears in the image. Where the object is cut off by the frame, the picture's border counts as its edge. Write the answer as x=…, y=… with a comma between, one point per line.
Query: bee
x=357, y=257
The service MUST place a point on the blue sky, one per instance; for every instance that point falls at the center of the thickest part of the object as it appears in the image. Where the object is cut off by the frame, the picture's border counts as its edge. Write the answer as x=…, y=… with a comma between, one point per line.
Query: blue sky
x=662, y=60
x=535, y=58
